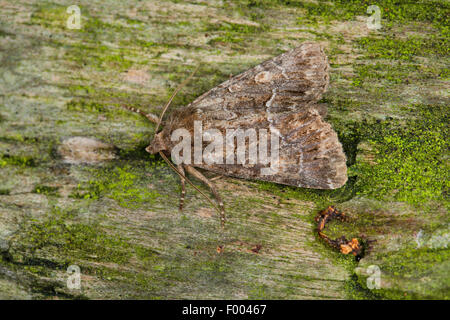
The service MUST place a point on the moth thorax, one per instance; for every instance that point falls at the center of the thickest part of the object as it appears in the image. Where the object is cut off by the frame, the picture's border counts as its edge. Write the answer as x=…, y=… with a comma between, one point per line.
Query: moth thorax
x=157, y=144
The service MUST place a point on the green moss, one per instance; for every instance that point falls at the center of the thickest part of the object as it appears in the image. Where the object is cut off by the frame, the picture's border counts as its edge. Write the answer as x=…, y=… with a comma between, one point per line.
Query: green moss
x=38, y=270
x=356, y=291
x=138, y=152
x=321, y=197
x=414, y=262
x=258, y=292
x=4, y=33
x=72, y=240
x=235, y=28
x=107, y=101
x=410, y=159
x=428, y=267
x=444, y=73
x=392, y=74
x=146, y=254
x=227, y=32
x=76, y=89
x=122, y=184
x=85, y=106
x=100, y=57
x=399, y=11
x=132, y=23
x=47, y=190
x=94, y=26
x=50, y=16
x=99, y=105
x=5, y=192
x=16, y=160
x=394, y=48
x=387, y=75
x=14, y=138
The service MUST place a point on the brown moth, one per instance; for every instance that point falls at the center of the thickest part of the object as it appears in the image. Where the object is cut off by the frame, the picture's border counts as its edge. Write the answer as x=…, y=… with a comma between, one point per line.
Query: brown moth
x=279, y=95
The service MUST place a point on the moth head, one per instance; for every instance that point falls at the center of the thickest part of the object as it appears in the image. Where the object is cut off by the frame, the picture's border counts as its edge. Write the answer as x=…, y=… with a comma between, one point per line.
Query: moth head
x=157, y=144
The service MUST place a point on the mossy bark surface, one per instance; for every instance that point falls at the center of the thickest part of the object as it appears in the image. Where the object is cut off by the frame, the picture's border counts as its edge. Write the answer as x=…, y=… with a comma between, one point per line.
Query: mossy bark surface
x=117, y=218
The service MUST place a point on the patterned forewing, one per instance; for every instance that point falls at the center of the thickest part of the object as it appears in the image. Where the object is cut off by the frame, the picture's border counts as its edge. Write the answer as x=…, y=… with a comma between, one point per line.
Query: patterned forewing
x=310, y=154
x=278, y=95
x=289, y=82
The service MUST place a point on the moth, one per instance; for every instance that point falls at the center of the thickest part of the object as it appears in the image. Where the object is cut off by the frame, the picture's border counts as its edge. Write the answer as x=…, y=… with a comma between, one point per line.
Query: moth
x=279, y=95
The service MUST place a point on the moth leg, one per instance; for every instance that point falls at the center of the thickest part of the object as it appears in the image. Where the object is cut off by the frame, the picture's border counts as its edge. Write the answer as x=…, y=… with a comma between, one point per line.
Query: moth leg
x=183, y=187
x=150, y=116
x=206, y=181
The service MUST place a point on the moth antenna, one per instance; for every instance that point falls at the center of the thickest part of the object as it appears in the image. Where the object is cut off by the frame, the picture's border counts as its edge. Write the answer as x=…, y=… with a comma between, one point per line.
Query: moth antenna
x=189, y=181
x=150, y=116
x=173, y=96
